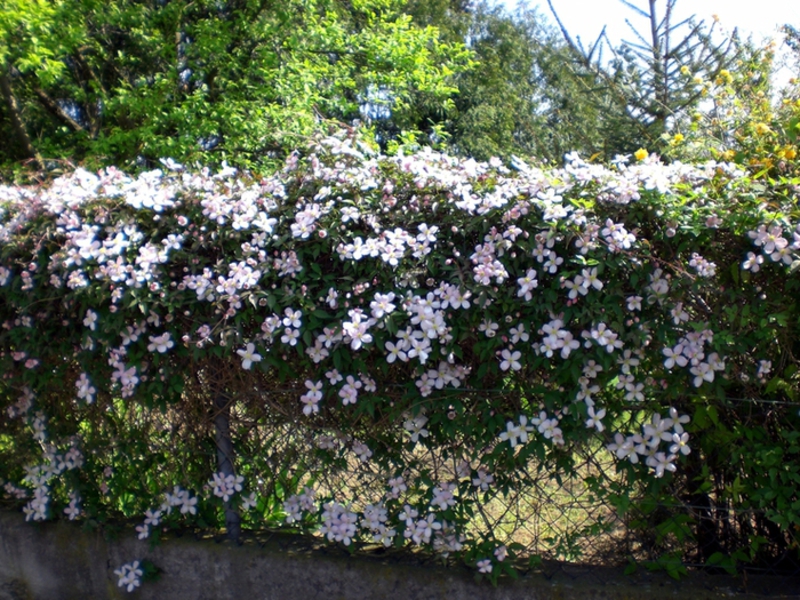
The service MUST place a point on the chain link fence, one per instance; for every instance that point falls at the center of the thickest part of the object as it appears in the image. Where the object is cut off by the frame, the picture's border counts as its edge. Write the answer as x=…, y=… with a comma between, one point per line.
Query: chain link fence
x=732, y=506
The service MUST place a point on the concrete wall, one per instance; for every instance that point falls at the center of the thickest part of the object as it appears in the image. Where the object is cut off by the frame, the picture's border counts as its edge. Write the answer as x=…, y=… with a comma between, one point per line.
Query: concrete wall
x=62, y=561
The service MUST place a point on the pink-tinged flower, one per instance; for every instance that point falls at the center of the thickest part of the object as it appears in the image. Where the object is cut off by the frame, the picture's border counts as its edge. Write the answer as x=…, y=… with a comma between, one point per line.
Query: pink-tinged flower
x=293, y=318
x=526, y=284
x=595, y=419
x=488, y=328
x=753, y=262
x=334, y=376
x=359, y=336
x=90, y=320
x=382, y=305
x=771, y=239
x=661, y=463
x=764, y=368
x=312, y=397
x=483, y=479
x=249, y=356
x=416, y=427
x=188, y=503
x=249, y=502
x=317, y=352
x=73, y=511
x=290, y=336
x=362, y=451
x=680, y=444
x=702, y=372
x=152, y=517
x=510, y=360
x=634, y=302
x=782, y=254
x=160, y=343
x=590, y=279
x=514, y=433
x=518, y=334
x=332, y=297
x=674, y=357
x=485, y=565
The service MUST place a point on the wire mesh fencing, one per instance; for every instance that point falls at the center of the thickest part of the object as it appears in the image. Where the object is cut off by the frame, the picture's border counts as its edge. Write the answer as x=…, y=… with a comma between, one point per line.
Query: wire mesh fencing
x=732, y=505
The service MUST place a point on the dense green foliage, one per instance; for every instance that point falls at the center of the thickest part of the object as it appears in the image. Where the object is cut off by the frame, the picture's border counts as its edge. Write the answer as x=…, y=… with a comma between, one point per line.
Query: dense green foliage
x=133, y=81
x=536, y=91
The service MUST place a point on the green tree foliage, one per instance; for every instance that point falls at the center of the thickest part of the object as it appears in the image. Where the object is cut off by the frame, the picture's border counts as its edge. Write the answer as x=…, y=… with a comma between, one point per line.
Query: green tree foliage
x=209, y=80
x=497, y=105
x=514, y=99
x=537, y=91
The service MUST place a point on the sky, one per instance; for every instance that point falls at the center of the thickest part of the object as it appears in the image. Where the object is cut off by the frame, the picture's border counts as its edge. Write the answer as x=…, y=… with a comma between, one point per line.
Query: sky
x=585, y=18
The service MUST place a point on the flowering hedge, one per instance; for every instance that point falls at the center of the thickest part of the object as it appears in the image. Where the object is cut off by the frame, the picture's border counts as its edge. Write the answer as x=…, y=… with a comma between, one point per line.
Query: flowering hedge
x=392, y=309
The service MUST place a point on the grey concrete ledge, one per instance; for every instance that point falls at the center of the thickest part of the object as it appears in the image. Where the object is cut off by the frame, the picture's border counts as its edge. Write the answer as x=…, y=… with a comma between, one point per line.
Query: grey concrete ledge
x=63, y=561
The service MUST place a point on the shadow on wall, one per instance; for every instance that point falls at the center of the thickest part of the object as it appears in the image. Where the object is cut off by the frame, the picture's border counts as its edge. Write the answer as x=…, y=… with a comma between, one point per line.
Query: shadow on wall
x=63, y=561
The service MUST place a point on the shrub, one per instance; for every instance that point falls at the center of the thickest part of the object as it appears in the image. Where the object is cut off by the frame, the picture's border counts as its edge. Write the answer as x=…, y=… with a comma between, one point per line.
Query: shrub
x=433, y=328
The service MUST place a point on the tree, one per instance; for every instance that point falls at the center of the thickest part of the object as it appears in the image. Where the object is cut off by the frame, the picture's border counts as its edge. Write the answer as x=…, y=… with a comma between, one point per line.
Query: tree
x=527, y=93
x=237, y=80
x=535, y=90
x=497, y=110
x=644, y=80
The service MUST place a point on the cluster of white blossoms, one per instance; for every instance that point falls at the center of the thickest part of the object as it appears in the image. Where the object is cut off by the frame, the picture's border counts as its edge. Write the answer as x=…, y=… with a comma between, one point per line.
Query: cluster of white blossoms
x=225, y=486
x=297, y=504
x=179, y=498
x=689, y=351
x=152, y=518
x=129, y=576
x=374, y=521
x=418, y=530
x=517, y=433
x=558, y=339
x=221, y=485
x=391, y=246
x=15, y=491
x=703, y=267
x=101, y=251
x=447, y=540
x=338, y=523
x=650, y=444
x=774, y=245
x=53, y=465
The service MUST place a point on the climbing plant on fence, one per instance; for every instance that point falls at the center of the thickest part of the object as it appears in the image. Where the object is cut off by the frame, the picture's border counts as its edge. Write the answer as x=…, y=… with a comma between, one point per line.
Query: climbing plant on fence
x=204, y=348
